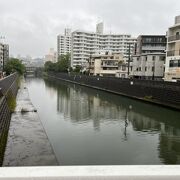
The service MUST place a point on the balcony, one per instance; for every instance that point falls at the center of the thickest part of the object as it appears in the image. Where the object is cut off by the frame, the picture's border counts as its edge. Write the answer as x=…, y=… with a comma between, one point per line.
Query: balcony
x=155, y=48
x=173, y=38
x=173, y=53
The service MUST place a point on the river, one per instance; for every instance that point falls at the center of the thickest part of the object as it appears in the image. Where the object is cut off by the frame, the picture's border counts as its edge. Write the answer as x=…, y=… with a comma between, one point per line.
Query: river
x=91, y=127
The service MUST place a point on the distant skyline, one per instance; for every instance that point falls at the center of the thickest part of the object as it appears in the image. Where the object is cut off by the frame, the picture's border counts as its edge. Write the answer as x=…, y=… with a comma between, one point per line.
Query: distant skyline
x=31, y=26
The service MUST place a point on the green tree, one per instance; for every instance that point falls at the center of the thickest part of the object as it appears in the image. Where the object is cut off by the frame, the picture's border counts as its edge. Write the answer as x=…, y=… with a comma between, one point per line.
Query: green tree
x=14, y=65
x=77, y=69
x=63, y=63
x=49, y=66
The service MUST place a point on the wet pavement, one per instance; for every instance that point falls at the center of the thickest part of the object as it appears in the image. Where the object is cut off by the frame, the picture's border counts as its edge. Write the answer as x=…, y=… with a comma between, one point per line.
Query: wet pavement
x=28, y=144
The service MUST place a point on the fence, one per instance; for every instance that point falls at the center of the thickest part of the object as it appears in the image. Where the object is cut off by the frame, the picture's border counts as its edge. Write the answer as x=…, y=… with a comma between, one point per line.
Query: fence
x=159, y=92
x=8, y=90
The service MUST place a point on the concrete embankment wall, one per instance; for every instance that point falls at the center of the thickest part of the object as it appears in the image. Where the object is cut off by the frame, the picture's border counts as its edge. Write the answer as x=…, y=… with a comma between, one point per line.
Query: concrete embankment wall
x=8, y=91
x=158, y=92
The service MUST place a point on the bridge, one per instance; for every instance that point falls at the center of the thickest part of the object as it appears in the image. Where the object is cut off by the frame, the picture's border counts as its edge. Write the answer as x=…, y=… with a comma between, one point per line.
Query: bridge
x=30, y=70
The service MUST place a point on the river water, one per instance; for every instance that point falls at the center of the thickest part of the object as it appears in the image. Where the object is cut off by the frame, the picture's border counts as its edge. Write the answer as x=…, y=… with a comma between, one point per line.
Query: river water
x=91, y=127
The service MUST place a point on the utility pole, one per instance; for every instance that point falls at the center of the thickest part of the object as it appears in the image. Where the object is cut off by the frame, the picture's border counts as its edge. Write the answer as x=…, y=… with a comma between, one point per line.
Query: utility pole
x=153, y=70
x=129, y=58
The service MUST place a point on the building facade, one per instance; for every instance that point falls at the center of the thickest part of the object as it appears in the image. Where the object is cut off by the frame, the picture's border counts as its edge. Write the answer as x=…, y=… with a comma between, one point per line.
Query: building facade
x=172, y=65
x=108, y=64
x=4, y=55
x=1, y=57
x=150, y=44
x=85, y=44
x=64, y=43
x=148, y=66
x=149, y=57
x=51, y=56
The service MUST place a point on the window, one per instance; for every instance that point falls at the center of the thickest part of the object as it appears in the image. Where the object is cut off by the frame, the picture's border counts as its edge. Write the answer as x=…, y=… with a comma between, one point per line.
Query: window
x=145, y=68
x=154, y=58
x=123, y=68
x=174, y=63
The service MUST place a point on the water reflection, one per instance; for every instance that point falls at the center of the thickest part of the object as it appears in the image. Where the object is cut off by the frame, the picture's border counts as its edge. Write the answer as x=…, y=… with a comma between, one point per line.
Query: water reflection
x=129, y=131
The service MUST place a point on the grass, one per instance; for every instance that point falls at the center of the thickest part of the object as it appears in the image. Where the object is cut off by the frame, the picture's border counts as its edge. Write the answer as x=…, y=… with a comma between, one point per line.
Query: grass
x=11, y=101
x=148, y=97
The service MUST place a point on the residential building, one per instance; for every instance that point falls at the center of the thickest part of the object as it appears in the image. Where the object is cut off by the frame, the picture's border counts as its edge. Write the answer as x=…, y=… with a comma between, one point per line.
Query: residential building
x=1, y=57
x=85, y=44
x=4, y=55
x=106, y=63
x=64, y=43
x=150, y=44
x=149, y=57
x=172, y=65
x=51, y=56
x=148, y=66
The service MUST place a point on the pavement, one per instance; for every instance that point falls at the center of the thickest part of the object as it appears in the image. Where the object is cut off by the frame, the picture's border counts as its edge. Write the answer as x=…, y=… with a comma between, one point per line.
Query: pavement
x=28, y=144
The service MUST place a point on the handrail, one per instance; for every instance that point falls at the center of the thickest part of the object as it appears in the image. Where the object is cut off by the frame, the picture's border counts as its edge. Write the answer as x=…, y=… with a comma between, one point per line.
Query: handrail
x=92, y=172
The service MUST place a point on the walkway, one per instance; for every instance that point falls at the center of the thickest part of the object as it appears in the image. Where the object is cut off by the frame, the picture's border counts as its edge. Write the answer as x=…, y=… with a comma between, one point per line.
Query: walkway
x=28, y=144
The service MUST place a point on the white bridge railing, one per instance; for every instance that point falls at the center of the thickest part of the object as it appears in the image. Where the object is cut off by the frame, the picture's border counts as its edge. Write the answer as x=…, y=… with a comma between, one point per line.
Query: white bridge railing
x=91, y=173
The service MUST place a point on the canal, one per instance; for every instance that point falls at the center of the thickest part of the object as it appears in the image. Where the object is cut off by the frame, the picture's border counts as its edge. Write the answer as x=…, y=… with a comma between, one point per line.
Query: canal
x=91, y=127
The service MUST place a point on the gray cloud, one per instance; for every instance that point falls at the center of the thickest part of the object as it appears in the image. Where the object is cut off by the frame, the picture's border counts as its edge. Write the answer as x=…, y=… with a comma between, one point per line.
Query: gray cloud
x=31, y=26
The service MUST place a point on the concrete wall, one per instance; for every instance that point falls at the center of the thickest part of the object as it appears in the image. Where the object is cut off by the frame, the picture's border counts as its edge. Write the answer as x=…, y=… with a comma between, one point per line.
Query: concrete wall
x=158, y=92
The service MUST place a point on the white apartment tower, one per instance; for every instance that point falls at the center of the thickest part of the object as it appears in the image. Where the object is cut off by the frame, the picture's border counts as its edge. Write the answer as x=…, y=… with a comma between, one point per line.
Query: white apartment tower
x=172, y=65
x=64, y=43
x=85, y=44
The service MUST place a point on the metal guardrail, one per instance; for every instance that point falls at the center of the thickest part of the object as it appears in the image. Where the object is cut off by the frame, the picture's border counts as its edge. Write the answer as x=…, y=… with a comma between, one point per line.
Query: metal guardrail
x=6, y=82
x=92, y=173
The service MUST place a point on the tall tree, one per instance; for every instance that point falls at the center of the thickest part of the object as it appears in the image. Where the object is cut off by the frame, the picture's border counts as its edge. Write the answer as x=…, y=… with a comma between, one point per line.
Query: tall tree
x=63, y=63
x=14, y=65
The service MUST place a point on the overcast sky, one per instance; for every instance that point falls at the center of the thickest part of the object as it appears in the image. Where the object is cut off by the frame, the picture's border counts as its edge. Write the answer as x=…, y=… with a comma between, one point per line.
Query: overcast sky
x=31, y=26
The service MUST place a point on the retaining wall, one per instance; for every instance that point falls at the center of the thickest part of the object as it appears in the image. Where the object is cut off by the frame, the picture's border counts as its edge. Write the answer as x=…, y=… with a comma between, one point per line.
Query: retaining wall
x=158, y=92
x=8, y=90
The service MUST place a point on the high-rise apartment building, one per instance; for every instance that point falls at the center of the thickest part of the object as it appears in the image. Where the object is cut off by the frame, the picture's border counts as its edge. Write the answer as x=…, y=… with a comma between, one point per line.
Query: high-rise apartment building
x=64, y=43
x=85, y=44
x=172, y=65
x=4, y=55
x=1, y=57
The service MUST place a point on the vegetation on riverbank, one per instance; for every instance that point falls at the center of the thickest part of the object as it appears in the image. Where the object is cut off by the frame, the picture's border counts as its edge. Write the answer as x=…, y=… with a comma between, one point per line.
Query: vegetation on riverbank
x=14, y=65
x=63, y=65
x=11, y=101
